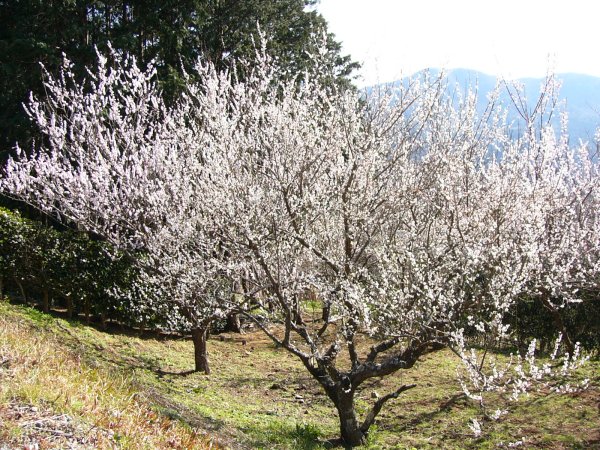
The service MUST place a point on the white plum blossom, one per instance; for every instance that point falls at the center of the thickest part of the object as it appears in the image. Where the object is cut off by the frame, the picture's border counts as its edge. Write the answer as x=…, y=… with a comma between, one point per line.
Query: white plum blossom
x=475, y=428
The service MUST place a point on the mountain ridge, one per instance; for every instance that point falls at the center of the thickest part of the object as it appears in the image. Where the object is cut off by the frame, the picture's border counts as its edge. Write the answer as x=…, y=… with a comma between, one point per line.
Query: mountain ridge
x=580, y=93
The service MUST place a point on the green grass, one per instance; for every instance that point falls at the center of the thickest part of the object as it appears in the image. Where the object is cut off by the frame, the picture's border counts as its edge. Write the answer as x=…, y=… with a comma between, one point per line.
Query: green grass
x=252, y=397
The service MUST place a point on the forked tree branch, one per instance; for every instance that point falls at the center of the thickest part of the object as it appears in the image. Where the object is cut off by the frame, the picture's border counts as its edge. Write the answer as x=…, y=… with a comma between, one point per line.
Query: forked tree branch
x=370, y=418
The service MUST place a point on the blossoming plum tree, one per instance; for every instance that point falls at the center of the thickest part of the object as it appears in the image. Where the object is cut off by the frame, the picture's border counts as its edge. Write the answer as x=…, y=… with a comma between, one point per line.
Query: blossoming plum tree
x=410, y=218
x=118, y=163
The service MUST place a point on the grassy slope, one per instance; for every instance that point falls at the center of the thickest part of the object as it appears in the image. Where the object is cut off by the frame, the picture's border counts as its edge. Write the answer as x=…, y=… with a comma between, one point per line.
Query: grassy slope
x=124, y=391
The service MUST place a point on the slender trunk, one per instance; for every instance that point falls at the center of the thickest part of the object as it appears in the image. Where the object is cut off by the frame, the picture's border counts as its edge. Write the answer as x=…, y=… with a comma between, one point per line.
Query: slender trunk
x=297, y=310
x=69, y=307
x=326, y=311
x=22, y=289
x=86, y=26
x=233, y=324
x=86, y=310
x=45, y=300
x=1, y=288
x=199, y=338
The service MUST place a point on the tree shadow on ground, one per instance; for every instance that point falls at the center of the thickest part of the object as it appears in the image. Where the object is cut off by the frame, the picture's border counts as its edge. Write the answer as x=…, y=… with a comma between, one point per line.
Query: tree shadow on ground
x=428, y=416
x=161, y=373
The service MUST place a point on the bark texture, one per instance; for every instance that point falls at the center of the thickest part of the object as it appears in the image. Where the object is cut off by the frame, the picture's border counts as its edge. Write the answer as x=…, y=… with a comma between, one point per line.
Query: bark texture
x=199, y=338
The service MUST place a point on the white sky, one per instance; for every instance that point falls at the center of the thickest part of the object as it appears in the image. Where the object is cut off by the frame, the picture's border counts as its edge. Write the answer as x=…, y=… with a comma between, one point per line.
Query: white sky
x=513, y=38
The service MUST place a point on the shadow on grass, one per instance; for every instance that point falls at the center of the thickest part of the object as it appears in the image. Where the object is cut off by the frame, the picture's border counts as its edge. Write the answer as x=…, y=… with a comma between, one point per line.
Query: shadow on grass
x=428, y=416
x=161, y=373
x=300, y=436
x=177, y=411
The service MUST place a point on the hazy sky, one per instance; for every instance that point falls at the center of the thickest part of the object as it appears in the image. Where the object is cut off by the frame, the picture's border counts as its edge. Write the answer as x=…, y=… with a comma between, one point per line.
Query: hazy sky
x=513, y=38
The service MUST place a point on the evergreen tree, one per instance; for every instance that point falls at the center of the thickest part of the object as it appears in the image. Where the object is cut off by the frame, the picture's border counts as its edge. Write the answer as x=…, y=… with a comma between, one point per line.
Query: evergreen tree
x=173, y=33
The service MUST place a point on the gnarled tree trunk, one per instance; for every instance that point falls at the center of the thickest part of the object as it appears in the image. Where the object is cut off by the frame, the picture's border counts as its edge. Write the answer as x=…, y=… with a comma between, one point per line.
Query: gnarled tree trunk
x=350, y=430
x=341, y=386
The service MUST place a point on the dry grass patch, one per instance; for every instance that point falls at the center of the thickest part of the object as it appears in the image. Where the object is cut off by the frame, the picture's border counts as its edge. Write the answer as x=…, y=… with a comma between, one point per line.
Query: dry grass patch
x=52, y=398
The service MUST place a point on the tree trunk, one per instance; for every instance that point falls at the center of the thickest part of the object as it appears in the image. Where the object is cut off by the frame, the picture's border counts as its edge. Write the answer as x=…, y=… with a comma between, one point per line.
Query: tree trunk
x=199, y=337
x=22, y=289
x=1, y=288
x=559, y=324
x=326, y=311
x=233, y=323
x=103, y=321
x=45, y=301
x=69, y=307
x=350, y=430
x=86, y=311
